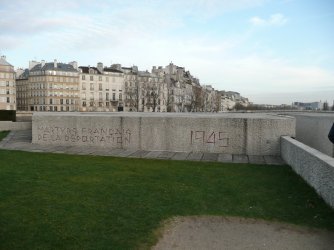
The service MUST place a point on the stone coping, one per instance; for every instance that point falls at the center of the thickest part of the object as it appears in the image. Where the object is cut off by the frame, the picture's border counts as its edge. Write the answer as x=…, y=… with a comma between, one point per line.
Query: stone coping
x=166, y=115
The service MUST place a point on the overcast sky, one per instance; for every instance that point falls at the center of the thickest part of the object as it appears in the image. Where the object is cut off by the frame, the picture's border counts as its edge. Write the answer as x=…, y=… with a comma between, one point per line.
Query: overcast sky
x=271, y=51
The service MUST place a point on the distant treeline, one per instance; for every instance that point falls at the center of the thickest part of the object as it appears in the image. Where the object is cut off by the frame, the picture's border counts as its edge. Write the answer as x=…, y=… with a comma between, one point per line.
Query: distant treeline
x=239, y=106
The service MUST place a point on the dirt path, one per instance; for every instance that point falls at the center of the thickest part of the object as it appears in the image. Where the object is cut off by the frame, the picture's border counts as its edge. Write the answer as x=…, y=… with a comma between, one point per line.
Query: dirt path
x=239, y=233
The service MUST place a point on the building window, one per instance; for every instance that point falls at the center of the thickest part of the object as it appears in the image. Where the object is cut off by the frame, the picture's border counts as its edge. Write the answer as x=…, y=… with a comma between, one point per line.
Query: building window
x=107, y=96
x=100, y=104
x=92, y=78
x=84, y=86
x=51, y=108
x=100, y=78
x=91, y=104
x=67, y=108
x=83, y=104
x=7, y=84
x=100, y=86
x=83, y=77
x=51, y=102
x=107, y=104
x=56, y=109
x=61, y=101
x=113, y=96
x=120, y=96
x=67, y=101
x=91, y=86
x=8, y=100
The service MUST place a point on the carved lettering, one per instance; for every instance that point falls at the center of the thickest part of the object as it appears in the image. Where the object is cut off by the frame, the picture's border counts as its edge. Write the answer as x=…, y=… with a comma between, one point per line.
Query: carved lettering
x=98, y=135
x=219, y=139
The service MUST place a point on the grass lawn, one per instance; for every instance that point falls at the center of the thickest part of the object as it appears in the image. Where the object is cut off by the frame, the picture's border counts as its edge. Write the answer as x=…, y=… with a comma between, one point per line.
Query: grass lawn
x=55, y=201
x=3, y=134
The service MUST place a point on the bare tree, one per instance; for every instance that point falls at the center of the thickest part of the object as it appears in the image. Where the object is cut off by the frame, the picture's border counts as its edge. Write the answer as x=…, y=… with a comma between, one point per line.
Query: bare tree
x=132, y=96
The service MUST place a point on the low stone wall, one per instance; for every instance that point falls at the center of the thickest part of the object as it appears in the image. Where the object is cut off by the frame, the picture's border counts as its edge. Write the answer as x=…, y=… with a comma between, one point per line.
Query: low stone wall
x=312, y=129
x=24, y=116
x=251, y=134
x=8, y=125
x=316, y=168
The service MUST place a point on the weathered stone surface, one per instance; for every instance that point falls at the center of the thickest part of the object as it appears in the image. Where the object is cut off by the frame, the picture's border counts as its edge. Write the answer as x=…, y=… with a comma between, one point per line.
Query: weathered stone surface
x=255, y=134
x=139, y=153
x=316, y=168
x=240, y=159
x=194, y=156
x=225, y=158
x=8, y=125
x=180, y=156
x=210, y=157
x=273, y=160
x=312, y=129
x=166, y=155
x=256, y=159
x=153, y=154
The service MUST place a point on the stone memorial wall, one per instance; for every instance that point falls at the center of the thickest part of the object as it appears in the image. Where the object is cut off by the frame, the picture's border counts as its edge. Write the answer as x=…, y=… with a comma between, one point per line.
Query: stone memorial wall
x=252, y=134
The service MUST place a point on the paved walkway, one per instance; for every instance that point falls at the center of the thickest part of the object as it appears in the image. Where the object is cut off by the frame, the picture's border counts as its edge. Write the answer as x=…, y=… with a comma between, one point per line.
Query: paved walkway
x=21, y=140
x=232, y=233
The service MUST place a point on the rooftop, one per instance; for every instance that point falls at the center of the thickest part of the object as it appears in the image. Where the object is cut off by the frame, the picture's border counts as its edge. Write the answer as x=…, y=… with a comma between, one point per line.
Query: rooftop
x=51, y=66
x=4, y=62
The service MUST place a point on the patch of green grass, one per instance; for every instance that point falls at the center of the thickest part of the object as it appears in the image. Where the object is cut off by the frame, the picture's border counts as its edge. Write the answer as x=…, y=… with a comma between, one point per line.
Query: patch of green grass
x=52, y=201
x=3, y=134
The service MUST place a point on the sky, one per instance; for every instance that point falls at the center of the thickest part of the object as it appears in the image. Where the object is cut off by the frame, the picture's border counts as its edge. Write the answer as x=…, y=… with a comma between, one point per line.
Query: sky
x=270, y=51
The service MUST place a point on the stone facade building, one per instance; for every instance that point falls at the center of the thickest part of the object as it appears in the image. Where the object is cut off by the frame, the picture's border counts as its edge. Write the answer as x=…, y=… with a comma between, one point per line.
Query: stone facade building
x=22, y=83
x=101, y=89
x=67, y=87
x=53, y=87
x=7, y=85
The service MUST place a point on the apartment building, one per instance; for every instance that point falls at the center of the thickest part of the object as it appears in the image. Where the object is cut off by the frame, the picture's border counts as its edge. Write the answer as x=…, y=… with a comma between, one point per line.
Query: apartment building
x=152, y=92
x=22, y=83
x=7, y=85
x=53, y=87
x=101, y=88
x=66, y=87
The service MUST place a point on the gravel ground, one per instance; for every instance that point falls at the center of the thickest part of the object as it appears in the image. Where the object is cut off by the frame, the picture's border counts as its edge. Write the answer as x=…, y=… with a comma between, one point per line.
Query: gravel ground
x=213, y=232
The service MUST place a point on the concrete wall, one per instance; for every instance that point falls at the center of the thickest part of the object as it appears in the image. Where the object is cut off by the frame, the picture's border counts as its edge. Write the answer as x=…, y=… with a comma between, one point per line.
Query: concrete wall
x=252, y=134
x=316, y=168
x=313, y=129
x=8, y=125
x=24, y=116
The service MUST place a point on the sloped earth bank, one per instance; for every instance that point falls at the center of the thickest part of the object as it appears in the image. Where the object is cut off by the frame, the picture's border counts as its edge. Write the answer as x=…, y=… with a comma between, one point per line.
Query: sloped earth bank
x=214, y=232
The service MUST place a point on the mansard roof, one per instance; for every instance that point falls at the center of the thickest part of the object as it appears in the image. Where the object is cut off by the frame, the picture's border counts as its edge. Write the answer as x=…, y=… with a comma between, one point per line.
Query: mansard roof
x=50, y=66
x=4, y=62
x=24, y=75
x=112, y=70
x=85, y=69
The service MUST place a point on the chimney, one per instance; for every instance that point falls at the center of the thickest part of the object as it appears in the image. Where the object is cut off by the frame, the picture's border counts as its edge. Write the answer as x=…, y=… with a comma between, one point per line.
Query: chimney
x=100, y=67
x=32, y=64
x=74, y=64
x=42, y=63
x=55, y=63
x=3, y=57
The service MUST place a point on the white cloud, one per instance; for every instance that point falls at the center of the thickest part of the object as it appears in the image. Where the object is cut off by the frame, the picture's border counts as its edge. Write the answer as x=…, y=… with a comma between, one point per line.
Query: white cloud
x=274, y=20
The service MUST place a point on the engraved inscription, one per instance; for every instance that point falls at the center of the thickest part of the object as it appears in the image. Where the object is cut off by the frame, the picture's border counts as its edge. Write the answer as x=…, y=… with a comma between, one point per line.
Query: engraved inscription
x=112, y=136
x=219, y=139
